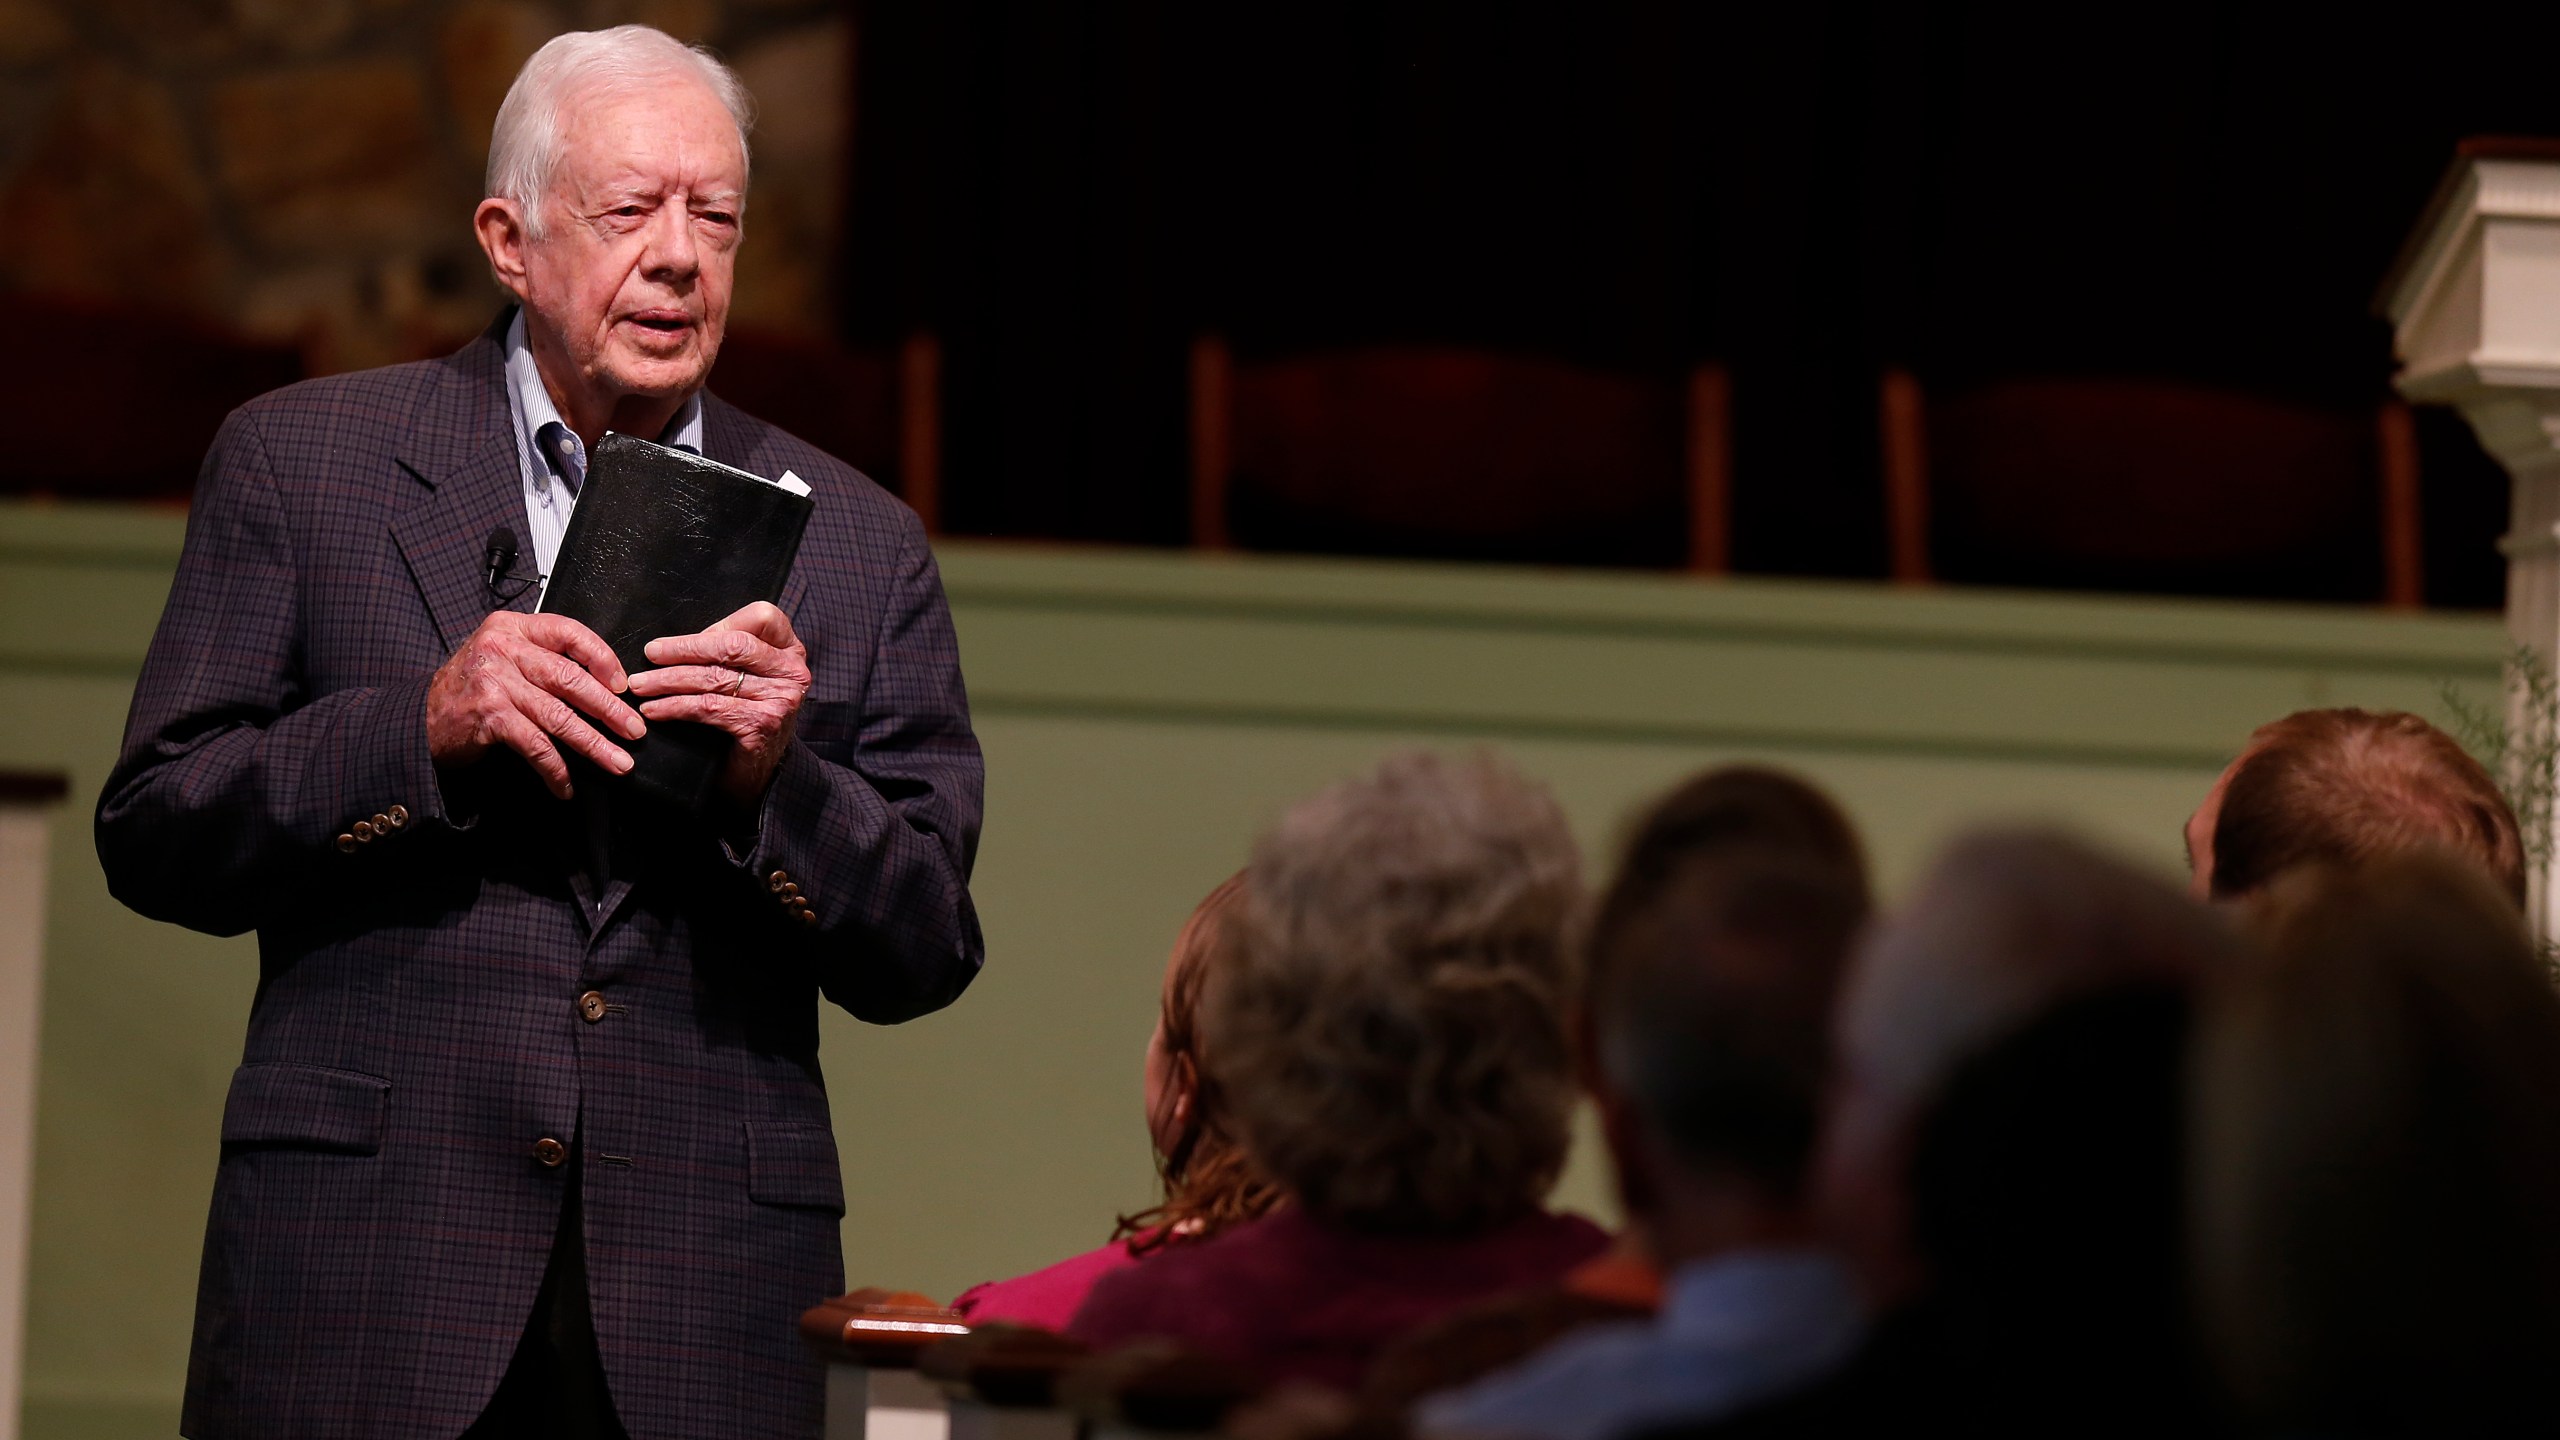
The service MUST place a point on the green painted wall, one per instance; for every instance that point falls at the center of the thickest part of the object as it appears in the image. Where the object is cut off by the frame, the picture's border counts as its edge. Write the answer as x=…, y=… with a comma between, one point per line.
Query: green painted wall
x=1143, y=715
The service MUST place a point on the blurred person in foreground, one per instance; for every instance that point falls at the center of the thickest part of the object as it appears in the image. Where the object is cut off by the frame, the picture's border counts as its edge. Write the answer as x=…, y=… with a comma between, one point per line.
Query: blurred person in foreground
x=1209, y=1184
x=1712, y=997
x=2376, y=1174
x=2341, y=787
x=1389, y=1035
x=1729, y=815
x=530, y=1134
x=2000, y=1152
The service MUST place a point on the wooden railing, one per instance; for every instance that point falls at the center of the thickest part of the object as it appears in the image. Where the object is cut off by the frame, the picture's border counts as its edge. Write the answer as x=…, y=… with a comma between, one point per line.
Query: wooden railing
x=870, y=1340
x=902, y=1368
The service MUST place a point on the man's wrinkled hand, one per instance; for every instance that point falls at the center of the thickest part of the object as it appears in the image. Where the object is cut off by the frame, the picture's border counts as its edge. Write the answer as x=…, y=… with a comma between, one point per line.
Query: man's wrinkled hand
x=745, y=675
x=531, y=683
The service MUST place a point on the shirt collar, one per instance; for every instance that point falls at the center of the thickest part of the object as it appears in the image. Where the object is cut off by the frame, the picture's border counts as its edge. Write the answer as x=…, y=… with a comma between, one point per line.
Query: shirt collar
x=684, y=430
x=541, y=430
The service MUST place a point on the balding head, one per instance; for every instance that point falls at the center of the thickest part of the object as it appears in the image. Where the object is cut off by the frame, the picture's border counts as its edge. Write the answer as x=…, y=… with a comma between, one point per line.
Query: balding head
x=2346, y=787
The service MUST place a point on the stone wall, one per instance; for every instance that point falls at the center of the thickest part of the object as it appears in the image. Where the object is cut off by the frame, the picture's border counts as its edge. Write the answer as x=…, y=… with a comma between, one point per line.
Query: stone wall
x=305, y=170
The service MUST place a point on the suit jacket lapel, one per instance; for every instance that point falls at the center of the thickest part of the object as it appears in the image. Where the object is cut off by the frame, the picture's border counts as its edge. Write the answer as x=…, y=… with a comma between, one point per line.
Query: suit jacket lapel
x=463, y=448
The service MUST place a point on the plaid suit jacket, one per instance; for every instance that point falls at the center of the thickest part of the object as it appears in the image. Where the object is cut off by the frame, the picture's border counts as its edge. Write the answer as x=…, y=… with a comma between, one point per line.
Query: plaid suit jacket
x=383, y=1211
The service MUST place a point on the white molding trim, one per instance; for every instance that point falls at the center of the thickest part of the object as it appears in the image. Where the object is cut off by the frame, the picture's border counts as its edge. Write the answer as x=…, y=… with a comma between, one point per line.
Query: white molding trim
x=26, y=840
x=2475, y=319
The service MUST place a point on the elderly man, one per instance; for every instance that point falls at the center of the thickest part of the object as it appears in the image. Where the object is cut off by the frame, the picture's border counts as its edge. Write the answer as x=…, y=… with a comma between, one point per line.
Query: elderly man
x=529, y=1136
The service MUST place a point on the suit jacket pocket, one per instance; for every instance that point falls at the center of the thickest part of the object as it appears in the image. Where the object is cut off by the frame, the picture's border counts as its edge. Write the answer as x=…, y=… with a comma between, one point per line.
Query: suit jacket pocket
x=306, y=1107
x=831, y=727
x=793, y=1163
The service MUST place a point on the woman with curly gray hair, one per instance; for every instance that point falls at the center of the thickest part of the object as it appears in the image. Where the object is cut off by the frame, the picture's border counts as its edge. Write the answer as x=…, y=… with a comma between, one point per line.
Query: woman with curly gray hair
x=1389, y=1031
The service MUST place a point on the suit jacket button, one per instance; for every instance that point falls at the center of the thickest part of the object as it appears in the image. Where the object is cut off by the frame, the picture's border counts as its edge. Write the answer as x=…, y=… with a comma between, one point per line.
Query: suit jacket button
x=362, y=830
x=807, y=916
x=381, y=824
x=775, y=881
x=550, y=1151
x=398, y=815
x=591, y=1006
x=347, y=842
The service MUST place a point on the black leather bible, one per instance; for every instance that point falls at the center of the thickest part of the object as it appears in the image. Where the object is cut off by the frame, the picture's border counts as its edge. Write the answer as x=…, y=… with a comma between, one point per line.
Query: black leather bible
x=665, y=542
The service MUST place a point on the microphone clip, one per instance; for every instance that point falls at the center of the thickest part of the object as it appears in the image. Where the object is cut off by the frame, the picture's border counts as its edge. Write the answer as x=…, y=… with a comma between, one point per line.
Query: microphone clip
x=499, y=568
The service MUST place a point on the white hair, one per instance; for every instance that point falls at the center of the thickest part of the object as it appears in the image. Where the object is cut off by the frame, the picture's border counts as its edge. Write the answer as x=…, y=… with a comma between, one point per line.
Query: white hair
x=524, y=145
x=2004, y=926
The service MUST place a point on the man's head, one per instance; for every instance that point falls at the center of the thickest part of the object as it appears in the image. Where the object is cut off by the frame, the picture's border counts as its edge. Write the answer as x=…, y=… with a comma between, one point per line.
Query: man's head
x=617, y=186
x=1712, y=1025
x=2005, y=927
x=2344, y=787
x=1730, y=815
x=1731, y=812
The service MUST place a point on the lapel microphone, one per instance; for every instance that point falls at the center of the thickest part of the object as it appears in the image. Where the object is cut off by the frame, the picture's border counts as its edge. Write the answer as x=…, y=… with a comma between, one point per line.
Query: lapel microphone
x=501, y=562
x=502, y=554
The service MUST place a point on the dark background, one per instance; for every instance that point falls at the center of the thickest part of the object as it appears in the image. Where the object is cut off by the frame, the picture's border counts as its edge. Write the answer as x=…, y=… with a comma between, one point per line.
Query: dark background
x=1807, y=192
x=2127, y=257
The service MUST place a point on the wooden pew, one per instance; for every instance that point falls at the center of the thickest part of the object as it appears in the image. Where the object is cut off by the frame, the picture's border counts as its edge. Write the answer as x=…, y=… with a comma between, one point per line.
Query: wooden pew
x=870, y=1340
x=1002, y=1382
x=1153, y=1389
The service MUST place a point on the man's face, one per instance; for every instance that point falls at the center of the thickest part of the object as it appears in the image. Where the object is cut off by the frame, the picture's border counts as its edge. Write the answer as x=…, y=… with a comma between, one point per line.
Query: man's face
x=2200, y=827
x=640, y=234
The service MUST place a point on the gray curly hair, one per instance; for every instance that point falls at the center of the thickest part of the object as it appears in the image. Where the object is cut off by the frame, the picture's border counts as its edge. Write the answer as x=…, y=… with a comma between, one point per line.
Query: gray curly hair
x=1389, y=1028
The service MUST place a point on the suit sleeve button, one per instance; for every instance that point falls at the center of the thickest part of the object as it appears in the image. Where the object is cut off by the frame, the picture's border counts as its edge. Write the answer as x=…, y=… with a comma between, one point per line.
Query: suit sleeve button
x=398, y=815
x=807, y=916
x=775, y=881
x=362, y=830
x=591, y=1006
x=347, y=842
x=549, y=1151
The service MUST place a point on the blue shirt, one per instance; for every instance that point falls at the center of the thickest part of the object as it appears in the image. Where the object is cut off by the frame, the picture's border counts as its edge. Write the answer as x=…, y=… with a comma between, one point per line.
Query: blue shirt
x=554, y=460
x=1734, y=1329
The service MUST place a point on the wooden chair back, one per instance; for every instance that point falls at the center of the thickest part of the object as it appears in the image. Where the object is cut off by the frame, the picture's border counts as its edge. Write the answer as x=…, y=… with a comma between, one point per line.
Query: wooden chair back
x=129, y=400
x=878, y=411
x=1443, y=451
x=2149, y=485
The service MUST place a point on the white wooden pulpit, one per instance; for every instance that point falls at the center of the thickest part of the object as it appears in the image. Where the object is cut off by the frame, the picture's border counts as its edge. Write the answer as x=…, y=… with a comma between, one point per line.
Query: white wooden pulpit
x=2475, y=311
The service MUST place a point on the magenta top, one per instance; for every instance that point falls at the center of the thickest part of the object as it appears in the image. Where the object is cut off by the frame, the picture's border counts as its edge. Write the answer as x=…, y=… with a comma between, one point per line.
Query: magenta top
x=1298, y=1299
x=1047, y=1297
